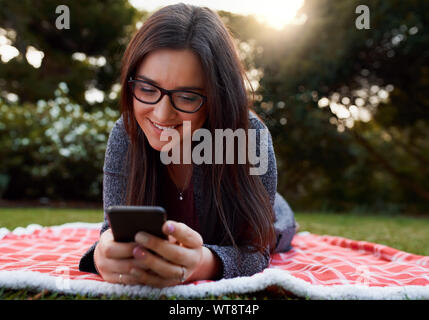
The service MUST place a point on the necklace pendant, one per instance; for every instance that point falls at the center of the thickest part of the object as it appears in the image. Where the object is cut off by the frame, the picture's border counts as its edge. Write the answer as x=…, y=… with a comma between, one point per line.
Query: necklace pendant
x=180, y=196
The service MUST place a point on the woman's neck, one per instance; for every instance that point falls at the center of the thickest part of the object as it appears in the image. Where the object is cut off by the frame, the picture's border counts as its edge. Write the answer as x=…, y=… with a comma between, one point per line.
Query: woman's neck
x=180, y=174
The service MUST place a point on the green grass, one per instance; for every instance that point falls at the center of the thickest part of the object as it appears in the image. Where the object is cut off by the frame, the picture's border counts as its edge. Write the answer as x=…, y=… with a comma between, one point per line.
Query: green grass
x=405, y=233
x=21, y=217
x=410, y=234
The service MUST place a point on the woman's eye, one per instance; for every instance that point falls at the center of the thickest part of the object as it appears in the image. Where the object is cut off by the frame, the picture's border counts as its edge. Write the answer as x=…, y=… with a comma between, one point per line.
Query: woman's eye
x=188, y=97
x=147, y=89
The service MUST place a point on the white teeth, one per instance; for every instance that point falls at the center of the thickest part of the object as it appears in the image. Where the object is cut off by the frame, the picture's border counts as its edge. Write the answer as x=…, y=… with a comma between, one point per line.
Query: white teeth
x=163, y=128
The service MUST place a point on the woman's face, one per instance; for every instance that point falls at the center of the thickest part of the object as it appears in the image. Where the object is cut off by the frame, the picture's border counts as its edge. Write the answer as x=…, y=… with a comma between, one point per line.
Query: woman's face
x=170, y=69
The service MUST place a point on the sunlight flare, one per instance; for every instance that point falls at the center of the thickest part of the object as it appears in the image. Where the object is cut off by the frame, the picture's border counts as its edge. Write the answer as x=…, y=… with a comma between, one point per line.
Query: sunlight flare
x=275, y=13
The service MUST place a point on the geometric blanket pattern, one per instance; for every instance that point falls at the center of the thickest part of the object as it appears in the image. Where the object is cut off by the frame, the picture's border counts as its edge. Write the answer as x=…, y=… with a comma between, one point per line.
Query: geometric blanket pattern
x=317, y=267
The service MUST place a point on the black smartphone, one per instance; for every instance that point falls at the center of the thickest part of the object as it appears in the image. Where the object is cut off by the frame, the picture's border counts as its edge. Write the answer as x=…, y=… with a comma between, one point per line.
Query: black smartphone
x=126, y=221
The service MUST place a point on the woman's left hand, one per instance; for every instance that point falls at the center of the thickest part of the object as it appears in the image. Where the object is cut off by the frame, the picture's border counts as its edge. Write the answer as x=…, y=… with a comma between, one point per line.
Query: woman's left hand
x=181, y=258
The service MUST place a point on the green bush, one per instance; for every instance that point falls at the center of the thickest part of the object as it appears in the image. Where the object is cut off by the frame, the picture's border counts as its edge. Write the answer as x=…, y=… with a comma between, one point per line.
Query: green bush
x=53, y=149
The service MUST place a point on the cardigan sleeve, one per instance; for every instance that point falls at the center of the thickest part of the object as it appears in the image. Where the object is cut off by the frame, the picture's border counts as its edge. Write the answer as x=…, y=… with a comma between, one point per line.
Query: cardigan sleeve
x=285, y=224
x=114, y=184
x=240, y=262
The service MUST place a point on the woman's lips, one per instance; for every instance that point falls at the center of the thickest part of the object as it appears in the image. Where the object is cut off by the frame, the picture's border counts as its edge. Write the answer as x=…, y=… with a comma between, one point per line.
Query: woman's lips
x=159, y=130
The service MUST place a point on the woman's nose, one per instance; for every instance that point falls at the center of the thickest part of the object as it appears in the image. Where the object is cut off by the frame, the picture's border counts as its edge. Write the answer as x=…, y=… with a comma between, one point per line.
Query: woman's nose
x=163, y=110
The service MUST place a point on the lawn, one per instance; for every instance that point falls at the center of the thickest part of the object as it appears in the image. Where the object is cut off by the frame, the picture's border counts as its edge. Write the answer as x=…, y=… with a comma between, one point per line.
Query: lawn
x=410, y=234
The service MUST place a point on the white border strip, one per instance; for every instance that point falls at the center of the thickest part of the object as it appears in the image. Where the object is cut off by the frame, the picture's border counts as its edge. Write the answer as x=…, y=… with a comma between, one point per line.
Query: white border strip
x=241, y=285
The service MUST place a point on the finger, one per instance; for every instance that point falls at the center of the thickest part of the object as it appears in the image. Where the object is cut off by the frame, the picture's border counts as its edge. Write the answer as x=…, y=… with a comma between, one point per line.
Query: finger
x=115, y=250
x=115, y=265
x=166, y=270
x=172, y=239
x=184, y=234
x=121, y=278
x=169, y=251
x=152, y=280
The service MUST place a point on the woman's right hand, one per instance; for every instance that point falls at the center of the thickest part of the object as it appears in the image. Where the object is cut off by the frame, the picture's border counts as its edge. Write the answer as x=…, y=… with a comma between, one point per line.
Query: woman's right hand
x=114, y=260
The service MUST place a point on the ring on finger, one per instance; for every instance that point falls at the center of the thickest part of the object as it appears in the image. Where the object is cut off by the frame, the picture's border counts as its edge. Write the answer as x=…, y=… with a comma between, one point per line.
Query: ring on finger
x=183, y=279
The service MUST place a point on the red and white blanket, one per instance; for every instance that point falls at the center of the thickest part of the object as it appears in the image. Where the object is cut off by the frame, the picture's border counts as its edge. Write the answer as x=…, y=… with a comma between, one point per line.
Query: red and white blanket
x=317, y=267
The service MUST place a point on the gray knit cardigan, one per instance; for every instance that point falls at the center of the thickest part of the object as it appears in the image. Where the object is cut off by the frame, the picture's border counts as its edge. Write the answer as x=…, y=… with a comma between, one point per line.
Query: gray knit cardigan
x=234, y=262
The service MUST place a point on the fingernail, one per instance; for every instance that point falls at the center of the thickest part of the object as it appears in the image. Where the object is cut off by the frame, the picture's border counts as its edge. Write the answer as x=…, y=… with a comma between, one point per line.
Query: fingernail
x=142, y=237
x=138, y=253
x=170, y=227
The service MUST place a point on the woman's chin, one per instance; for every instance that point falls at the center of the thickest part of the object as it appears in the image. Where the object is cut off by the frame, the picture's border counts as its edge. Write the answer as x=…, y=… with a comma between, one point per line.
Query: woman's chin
x=157, y=145
x=162, y=145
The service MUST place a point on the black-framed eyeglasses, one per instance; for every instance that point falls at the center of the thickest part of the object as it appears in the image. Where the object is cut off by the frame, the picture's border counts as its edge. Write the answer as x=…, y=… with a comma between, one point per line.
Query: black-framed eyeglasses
x=182, y=100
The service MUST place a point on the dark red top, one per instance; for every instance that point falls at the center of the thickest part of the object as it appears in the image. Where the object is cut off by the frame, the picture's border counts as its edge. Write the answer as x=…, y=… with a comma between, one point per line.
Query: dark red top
x=178, y=210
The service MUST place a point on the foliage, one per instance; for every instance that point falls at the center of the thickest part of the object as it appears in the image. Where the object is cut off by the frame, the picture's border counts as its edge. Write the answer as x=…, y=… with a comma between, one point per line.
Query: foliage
x=98, y=29
x=53, y=148
x=348, y=108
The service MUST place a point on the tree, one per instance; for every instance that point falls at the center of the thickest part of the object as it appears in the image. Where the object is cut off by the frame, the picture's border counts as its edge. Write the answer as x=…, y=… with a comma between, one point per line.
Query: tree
x=88, y=55
x=348, y=108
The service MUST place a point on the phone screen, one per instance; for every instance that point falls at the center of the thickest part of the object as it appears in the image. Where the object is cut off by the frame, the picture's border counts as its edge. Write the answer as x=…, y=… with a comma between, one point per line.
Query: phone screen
x=126, y=221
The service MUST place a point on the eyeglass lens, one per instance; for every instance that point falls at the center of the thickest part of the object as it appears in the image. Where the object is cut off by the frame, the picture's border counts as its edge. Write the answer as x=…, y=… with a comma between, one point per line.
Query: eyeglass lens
x=183, y=100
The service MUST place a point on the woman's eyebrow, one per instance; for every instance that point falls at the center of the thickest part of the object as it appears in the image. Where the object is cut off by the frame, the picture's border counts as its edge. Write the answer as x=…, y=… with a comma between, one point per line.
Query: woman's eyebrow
x=178, y=88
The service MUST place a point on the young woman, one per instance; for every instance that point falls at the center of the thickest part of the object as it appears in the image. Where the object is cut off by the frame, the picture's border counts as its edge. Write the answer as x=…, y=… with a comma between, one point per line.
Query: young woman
x=222, y=221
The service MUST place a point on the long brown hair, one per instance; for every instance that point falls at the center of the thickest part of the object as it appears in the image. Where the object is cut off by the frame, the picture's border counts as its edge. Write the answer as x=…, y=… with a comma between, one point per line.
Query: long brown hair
x=240, y=201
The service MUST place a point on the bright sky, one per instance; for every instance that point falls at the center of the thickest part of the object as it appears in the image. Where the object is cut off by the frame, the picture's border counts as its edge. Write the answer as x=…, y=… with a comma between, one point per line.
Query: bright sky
x=276, y=13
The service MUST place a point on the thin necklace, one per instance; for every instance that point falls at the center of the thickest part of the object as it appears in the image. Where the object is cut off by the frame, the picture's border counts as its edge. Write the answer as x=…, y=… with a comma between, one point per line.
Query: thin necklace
x=186, y=180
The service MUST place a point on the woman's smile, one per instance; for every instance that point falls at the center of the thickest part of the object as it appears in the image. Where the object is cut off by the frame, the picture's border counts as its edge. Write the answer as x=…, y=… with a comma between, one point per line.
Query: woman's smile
x=158, y=127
